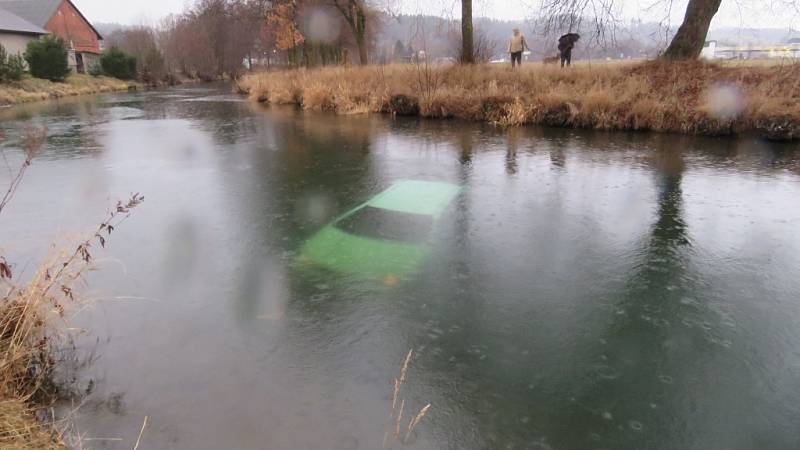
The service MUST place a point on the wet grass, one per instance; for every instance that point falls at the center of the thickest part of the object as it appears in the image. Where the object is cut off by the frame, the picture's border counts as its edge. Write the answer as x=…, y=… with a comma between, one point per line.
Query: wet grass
x=687, y=97
x=34, y=89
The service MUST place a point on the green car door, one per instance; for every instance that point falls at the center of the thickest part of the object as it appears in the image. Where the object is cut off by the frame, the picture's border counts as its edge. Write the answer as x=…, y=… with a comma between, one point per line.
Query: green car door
x=388, y=237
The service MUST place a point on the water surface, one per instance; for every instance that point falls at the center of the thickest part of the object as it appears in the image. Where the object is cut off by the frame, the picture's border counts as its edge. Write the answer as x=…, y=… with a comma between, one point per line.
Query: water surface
x=585, y=290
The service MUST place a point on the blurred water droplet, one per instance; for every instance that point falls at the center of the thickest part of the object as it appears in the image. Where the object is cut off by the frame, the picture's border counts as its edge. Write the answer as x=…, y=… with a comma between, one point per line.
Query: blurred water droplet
x=321, y=26
x=724, y=101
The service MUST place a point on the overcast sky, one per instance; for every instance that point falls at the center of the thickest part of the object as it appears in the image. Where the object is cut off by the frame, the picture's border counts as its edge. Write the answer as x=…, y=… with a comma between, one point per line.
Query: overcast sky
x=753, y=14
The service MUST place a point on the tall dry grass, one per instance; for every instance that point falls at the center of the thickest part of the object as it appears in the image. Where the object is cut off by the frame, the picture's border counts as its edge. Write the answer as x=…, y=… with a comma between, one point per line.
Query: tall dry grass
x=33, y=322
x=657, y=96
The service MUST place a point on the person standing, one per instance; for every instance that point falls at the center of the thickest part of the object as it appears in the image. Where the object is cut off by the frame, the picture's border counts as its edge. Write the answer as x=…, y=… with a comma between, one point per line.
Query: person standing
x=565, y=45
x=517, y=45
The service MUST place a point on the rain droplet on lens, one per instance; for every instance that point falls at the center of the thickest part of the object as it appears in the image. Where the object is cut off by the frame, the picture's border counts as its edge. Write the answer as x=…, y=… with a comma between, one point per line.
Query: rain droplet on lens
x=724, y=101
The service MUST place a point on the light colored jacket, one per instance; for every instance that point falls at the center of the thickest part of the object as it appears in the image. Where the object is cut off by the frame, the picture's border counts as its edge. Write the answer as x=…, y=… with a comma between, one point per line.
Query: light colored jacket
x=517, y=44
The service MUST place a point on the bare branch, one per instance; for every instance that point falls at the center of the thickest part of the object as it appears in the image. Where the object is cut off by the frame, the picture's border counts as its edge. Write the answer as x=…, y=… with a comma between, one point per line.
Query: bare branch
x=31, y=144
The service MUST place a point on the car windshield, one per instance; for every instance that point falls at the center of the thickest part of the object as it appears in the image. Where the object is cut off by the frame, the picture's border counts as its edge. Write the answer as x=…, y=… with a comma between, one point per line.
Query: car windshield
x=378, y=223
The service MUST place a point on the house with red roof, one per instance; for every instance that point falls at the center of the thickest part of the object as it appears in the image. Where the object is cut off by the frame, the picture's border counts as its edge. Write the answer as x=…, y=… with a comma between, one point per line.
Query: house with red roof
x=63, y=19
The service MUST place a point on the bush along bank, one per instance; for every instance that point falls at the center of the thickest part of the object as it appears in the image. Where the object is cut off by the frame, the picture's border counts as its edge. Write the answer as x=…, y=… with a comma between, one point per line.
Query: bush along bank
x=681, y=97
x=50, y=76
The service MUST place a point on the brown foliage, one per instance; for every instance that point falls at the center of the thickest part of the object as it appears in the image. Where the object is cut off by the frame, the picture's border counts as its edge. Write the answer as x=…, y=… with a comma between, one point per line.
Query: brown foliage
x=282, y=26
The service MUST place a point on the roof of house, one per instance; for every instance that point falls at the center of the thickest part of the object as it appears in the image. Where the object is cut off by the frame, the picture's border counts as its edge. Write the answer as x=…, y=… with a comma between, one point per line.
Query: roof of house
x=39, y=12
x=14, y=23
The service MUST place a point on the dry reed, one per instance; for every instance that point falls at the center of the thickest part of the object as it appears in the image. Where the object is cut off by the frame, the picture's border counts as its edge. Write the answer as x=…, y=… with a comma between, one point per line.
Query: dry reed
x=655, y=95
x=394, y=433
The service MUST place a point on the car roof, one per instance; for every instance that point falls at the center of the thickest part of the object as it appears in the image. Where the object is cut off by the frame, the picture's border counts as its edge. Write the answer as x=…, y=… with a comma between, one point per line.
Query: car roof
x=416, y=197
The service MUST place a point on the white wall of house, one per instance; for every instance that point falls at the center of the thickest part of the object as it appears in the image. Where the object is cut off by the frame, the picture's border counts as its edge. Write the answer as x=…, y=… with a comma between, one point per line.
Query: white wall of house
x=15, y=43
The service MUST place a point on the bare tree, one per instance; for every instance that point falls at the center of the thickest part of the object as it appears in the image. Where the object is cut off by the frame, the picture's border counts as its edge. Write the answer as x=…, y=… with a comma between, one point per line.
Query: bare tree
x=467, y=39
x=569, y=15
x=483, y=48
x=566, y=16
x=355, y=14
x=688, y=42
x=214, y=37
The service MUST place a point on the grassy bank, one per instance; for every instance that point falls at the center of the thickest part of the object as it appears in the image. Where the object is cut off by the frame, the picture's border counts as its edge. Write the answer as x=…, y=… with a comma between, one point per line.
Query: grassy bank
x=690, y=97
x=35, y=89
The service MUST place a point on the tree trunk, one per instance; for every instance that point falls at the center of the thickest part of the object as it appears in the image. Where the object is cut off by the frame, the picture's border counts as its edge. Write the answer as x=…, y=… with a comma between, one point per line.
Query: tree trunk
x=360, y=30
x=688, y=42
x=355, y=14
x=362, y=49
x=467, y=50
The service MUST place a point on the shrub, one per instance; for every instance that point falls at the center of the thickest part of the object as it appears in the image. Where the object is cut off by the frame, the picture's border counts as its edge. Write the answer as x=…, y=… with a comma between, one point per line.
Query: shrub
x=3, y=62
x=11, y=66
x=95, y=69
x=14, y=67
x=47, y=58
x=118, y=64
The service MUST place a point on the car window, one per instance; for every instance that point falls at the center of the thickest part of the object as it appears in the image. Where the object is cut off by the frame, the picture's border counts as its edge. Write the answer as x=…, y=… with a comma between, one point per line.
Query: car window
x=388, y=225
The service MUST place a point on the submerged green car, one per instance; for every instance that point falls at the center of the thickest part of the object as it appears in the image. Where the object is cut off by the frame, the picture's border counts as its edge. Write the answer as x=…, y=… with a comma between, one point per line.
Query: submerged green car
x=388, y=237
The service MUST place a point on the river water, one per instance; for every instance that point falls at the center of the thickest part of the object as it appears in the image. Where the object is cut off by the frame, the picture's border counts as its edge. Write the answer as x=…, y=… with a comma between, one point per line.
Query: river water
x=584, y=290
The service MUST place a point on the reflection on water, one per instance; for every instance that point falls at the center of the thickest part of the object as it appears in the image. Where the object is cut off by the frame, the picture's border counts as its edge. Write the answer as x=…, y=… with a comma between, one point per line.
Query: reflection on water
x=586, y=290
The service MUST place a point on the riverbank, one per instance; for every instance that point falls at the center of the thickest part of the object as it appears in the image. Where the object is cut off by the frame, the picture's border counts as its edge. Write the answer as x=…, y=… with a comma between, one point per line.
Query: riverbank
x=687, y=97
x=35, y=89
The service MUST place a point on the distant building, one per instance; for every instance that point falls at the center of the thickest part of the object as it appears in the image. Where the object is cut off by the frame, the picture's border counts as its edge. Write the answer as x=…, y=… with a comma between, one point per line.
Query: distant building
x=712, y=50
x=709, y=50
x=794, y=41
x=16, y=32
x=62, y=19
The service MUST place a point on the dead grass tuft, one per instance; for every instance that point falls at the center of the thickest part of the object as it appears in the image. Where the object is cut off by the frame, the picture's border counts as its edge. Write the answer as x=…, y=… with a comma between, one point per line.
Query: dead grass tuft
x=19, y=429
